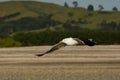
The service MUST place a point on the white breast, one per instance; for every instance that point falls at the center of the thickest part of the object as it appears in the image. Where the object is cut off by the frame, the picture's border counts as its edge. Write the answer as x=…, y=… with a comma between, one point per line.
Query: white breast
x=70, y=41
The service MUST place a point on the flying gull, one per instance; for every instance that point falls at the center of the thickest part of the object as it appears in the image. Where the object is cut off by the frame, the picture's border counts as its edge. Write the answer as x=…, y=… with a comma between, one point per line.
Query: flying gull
x=70, y=42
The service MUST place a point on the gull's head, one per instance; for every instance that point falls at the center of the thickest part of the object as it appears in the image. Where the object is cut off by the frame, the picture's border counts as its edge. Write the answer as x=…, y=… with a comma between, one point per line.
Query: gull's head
x=91, y=42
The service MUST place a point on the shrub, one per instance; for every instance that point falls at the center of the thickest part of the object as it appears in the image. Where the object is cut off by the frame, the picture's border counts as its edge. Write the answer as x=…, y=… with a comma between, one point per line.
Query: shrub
x=9, y=42
x=52, y=37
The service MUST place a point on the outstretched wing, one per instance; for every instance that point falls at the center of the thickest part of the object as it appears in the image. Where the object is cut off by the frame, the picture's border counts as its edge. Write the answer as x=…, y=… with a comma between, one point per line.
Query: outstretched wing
x=56, y=47
x=89, y=42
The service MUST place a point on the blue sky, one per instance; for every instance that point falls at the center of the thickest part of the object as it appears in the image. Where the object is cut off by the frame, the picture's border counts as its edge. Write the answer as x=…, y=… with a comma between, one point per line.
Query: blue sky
x=107, y=4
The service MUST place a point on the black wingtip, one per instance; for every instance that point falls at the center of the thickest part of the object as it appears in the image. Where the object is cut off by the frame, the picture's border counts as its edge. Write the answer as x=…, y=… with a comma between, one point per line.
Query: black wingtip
x=39, y=55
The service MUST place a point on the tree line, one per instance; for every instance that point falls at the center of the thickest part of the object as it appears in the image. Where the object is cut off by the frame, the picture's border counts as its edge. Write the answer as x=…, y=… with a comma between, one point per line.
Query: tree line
x=39, y=38
x=90, y=6
x=53, y=37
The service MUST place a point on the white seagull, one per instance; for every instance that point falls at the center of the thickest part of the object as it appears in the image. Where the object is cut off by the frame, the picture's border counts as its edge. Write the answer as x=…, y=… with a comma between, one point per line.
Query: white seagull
x=70, y=42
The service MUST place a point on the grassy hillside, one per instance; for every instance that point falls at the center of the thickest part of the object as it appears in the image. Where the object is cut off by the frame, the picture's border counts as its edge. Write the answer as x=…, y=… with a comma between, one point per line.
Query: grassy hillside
x=84, y=18
x=31, y=9
x=34, y=9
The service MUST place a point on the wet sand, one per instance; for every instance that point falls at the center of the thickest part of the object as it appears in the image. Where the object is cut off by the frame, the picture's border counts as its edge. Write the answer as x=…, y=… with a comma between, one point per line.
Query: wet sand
x=69, y=63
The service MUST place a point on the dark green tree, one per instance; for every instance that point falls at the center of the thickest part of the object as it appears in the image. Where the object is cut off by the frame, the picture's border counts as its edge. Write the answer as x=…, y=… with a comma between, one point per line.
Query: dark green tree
x=75, y=3
x=115, y=9
x=66, y=5
x=90, y=7
x=100, y=7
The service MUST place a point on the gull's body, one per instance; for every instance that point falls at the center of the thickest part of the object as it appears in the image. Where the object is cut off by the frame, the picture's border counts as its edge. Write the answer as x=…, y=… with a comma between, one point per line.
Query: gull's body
x=70, y=42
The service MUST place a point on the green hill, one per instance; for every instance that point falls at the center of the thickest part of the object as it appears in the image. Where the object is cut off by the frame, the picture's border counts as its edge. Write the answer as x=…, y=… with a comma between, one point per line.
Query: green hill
x=28, y=8
x=34, y=9
x=73, y=17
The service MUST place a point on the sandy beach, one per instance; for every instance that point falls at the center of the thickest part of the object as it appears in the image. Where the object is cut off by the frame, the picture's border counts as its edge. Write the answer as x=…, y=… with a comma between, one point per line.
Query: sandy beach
x=69, y=63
